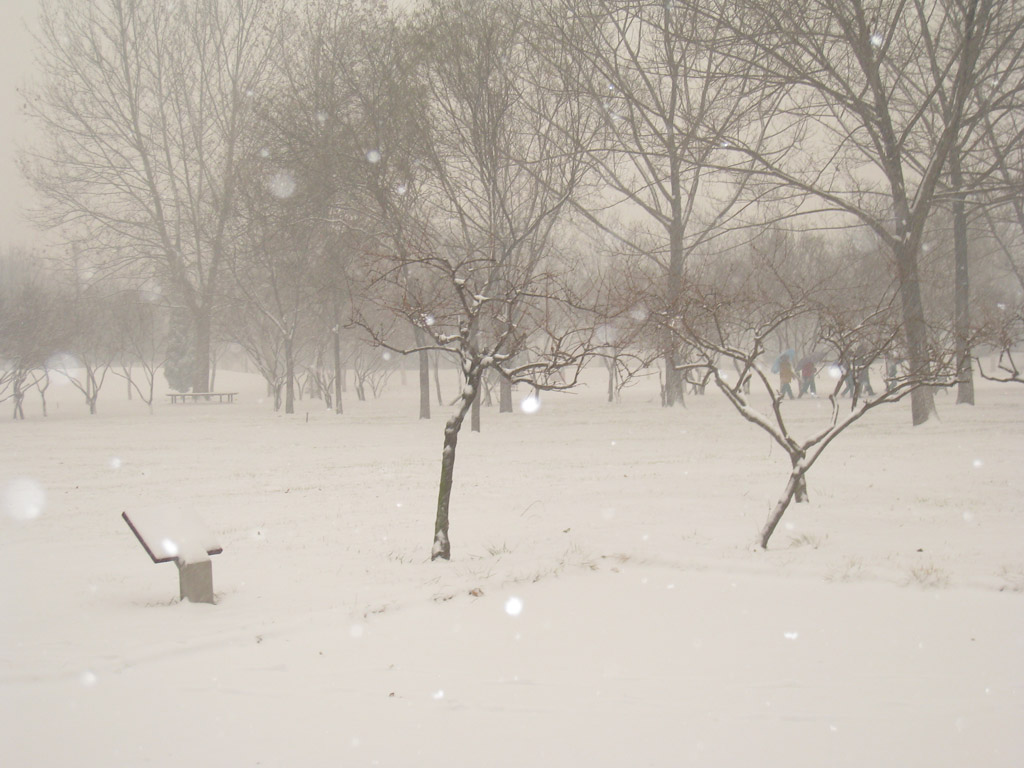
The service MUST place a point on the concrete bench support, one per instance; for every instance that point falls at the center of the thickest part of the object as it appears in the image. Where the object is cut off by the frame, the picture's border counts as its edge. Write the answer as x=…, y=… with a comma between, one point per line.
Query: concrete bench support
x=196, y=581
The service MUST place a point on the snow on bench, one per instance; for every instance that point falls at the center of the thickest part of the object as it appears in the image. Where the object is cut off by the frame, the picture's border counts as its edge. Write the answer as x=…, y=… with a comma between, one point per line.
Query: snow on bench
x=171, y=534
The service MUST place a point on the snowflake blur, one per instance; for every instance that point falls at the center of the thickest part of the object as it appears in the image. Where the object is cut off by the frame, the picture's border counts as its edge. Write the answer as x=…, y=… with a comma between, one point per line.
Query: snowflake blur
x=530, y=404
x=23, y=499
x=282, y=185
x=513, y=606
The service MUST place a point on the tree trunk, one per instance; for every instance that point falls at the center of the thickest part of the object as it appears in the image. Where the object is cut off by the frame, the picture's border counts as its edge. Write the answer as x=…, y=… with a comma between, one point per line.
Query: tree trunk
x=474, y=421
x=442, y=543
x=922, y=399
x=289, y=376
x=800, y=495
x=92, y=389
x=338, y=371
x=201, y=372
x=424, y=384
x=673, y=377
x=19, y=396
x=961, y=286
x=505, y=395
x=437, y=378
x=796, y=482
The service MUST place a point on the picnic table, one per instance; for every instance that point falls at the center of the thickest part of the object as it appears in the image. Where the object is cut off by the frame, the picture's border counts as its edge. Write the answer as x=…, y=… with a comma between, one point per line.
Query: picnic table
x=184, y=397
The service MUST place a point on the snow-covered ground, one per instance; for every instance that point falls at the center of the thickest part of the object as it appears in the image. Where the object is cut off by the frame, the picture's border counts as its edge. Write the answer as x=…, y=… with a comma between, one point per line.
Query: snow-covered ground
x=604, y=605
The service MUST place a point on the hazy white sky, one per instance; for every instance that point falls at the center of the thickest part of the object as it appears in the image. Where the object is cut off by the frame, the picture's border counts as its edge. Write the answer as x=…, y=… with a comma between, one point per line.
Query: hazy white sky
x=15, y=67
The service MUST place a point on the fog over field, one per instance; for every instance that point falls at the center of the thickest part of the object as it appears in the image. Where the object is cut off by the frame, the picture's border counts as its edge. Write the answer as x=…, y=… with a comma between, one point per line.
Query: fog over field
x=533, y=382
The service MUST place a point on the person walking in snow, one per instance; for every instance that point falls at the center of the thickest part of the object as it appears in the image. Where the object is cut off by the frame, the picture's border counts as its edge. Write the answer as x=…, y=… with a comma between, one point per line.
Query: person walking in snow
x=786, y=377
x=807, y=373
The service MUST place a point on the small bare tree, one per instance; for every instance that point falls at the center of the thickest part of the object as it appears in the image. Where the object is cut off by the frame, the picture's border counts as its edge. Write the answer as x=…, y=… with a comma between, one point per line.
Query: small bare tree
x=732, y=312
x=31, y=332
x=141, y=333
x=1002, y=330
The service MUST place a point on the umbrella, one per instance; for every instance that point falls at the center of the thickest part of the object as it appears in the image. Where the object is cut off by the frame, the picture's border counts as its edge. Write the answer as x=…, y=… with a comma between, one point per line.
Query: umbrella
x=790, y=353
x=812, y=359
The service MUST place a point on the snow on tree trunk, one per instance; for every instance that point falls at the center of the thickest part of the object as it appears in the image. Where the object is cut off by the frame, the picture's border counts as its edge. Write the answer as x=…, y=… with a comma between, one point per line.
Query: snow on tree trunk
x=796, y=482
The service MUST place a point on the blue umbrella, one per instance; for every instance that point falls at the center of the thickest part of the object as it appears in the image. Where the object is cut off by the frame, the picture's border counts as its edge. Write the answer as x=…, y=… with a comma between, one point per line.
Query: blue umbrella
x=790, y=353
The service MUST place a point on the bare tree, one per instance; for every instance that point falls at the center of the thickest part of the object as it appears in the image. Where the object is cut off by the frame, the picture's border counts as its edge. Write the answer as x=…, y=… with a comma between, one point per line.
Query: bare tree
x=1002, y=330
x=482, y=279
x=141, y=332
x=347, y=119
x=31, y=328
x=142, y=111
x=733, y=310
x=92, y=340
x=857, y=84
x=667, y=99
x=978, y=177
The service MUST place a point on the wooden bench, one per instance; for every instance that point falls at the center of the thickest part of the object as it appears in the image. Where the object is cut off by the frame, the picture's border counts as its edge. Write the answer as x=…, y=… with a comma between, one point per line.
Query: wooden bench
x=184, y=397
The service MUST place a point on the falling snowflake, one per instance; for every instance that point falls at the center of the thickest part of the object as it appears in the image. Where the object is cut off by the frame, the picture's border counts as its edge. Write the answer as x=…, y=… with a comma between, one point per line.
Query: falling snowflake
x=115, y=463
x=877, y=40
x=530, y=404
x=373, y=156
x=23, y=499
x=513, y=606
x=282, y=184
x=169, y=547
